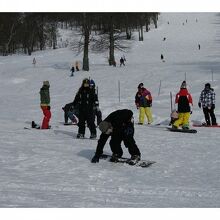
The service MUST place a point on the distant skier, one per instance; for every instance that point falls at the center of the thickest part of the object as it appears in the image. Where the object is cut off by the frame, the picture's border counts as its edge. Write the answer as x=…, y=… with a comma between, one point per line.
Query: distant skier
x=143, y=101
x=184, y=104
x=86, y=100
x=199, y=46
x=207, y=102
x=72, y=71
x=34, y=62
x=120, y=126
x=45, y=104
x=122, y=61
x=77, y=65
x=162, y=57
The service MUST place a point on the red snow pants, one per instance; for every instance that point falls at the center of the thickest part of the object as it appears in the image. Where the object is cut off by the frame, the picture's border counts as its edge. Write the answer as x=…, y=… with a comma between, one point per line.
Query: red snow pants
x=47, y=116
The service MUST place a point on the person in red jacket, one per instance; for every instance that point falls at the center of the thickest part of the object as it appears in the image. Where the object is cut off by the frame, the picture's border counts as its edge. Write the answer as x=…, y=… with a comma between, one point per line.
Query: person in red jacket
x=184, y=104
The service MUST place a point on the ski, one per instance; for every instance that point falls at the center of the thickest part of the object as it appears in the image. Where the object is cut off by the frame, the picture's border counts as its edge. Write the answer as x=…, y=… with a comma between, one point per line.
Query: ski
x=182, y=130
x=124, y=160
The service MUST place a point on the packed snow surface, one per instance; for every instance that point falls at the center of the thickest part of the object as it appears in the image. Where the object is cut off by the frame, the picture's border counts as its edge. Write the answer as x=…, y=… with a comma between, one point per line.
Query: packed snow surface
x=51, y=168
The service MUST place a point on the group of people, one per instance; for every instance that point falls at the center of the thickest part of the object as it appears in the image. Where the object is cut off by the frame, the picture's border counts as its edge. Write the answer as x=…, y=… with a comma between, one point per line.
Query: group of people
x=184, y=103
x=119, y=125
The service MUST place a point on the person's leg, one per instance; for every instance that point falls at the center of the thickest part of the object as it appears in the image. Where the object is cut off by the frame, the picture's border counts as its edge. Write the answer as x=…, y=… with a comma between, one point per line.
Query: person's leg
x=115, y=144
x=186, y=117
x=179, y=121
x=141, y=115
x=212, y=115
x=148, y=113
x=91, y=124
x=129, y=142
x=47, y=116
x=207, y=117
x=81, y=124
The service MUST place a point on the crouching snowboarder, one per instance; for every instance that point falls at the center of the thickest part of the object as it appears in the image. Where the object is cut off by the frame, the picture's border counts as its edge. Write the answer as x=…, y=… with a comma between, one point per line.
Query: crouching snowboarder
x=70, y=112
x=120, y=126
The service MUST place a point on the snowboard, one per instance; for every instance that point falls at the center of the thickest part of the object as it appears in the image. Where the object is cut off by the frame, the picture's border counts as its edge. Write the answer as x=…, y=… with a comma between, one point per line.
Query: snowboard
x=67, y=124
x=33, y=126
x=206, y=126
x=125, y=160
x=182, y=130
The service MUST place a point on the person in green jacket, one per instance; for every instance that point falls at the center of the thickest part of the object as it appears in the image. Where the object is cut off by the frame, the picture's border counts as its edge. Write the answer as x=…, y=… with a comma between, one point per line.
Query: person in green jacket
x=45, y=104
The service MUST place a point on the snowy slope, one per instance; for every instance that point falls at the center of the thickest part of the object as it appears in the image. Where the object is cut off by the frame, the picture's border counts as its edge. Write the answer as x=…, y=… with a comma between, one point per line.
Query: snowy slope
x=49, y=168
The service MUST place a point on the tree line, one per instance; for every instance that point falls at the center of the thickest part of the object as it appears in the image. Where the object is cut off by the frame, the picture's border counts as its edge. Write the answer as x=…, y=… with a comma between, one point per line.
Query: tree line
x=29, y=32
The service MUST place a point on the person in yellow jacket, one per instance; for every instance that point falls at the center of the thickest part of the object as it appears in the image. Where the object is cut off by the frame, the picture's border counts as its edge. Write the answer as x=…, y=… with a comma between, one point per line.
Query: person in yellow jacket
x=143, y=101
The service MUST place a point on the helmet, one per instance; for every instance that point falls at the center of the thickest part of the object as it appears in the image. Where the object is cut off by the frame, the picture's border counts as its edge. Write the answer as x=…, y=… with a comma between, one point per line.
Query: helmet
x=92, y=83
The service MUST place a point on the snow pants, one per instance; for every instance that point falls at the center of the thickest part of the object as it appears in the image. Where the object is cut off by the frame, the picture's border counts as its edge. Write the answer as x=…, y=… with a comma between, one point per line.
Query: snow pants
x=183, y=120
x=127, y=136
x=86, y=117
x=209, y=113
x=145, y=111
x=47, y=116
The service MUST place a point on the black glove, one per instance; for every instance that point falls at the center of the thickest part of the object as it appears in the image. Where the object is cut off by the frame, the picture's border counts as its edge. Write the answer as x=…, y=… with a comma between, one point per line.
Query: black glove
x=199, y=104
x=95, y=159
x=213, y=106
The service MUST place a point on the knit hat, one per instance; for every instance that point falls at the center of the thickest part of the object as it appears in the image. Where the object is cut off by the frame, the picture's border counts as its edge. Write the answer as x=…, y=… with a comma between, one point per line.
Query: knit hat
x=46, y=83
x=207, y=85
x=85, y=82
x=183, y=85
x=141, y=85
x=104, y=126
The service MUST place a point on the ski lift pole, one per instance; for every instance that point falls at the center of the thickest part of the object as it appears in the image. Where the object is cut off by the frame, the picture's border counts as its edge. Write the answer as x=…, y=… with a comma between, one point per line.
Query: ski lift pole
x=159, y=88
x=171, y=102
x=119, y=92
x=212, y=75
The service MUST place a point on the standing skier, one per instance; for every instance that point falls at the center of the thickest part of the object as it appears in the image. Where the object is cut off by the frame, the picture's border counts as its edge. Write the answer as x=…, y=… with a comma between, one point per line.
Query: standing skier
x=72, y=71
x=184, y=104
x=77, y=65
x=207, y=102
x=143, y=101
x=86, y=100
x=120, y=126
x=45, y=104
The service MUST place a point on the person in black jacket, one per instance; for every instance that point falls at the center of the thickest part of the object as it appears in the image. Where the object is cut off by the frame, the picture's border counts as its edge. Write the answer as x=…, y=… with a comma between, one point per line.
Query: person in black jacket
x=85, y=99
x=120, y=126
x=97, y=112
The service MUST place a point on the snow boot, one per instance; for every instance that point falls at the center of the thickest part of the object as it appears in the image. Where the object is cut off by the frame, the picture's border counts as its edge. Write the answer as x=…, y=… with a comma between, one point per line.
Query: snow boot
x=80, y=136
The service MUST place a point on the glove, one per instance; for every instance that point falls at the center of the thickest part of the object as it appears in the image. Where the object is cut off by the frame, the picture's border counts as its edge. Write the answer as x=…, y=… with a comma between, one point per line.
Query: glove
x=199, y=104
x=95, y=159
x=191, y=112
x=213, y=106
